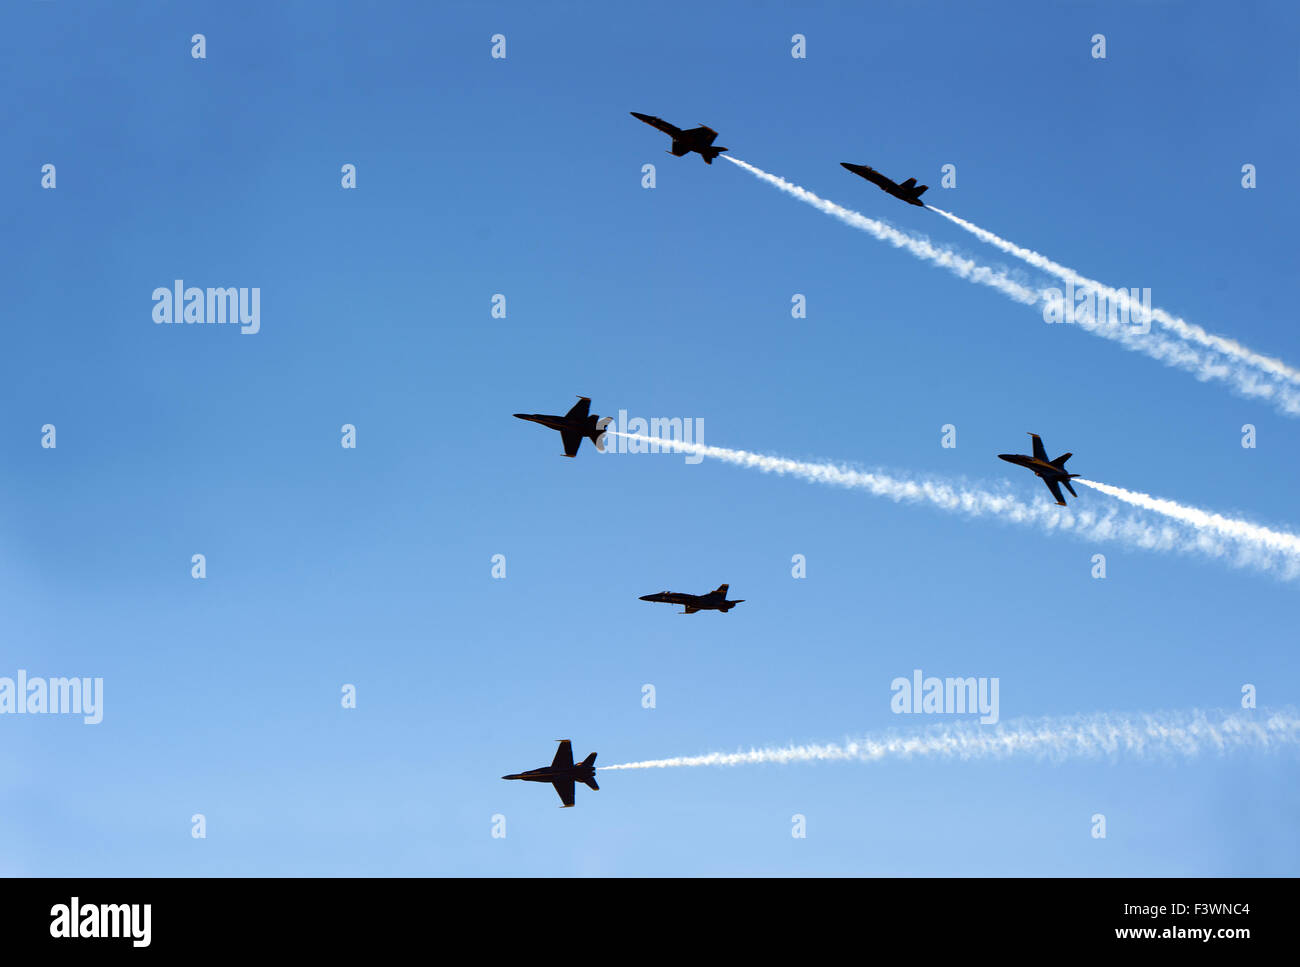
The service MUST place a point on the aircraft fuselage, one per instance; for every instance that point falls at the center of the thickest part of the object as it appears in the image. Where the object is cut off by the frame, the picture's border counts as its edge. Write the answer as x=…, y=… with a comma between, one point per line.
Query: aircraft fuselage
x=1040, y=467
x=909, y=191
x=560, y=423
x=713, y=601
x=578, y=772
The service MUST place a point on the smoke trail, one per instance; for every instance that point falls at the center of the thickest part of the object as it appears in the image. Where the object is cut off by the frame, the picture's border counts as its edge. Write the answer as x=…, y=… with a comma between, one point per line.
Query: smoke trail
x=1174, y=352
x=1241, y=545
x=920, y=247
x=1141, y=737
x=1238, y=530
x=1179, y=327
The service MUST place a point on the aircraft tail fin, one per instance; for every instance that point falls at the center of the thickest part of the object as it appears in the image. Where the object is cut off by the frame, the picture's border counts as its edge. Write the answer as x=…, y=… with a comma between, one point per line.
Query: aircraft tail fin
x=921, y=190
x=722, y=589
x=592, y=783
x=1059, y=462
x=1069, y=488
x=590, y=760
x=710, y=153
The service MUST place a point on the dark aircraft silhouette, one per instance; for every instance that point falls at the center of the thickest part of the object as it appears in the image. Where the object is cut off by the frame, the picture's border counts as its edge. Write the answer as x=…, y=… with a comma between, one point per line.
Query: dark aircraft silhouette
x=1052, y=471
x=696, y=139
x=713, y=601
x=909, y=191
x=573, y=426
x=562, y=772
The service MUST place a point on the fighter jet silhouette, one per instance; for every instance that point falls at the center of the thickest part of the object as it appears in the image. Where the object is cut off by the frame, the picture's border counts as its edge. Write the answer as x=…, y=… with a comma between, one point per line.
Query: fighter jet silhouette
x=713, y=601
x=696, y=139
x=573, y=426
x=562, y=772
x=908, y=191
x=1051, y=471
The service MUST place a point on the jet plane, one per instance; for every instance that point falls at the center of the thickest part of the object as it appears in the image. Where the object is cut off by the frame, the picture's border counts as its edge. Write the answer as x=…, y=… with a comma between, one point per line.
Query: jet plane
x=909, y=191
x=573, y=426
x=713, y=601
x=562, y=772
x=696, y=139
x=1052, y=471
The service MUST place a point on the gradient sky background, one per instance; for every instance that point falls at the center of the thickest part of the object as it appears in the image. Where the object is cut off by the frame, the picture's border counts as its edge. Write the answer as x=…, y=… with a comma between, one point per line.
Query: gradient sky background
x=372, y=566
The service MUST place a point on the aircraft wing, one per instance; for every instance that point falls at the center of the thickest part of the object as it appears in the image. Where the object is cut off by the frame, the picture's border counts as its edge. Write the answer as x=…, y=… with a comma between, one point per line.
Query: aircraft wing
x=1039, y=452
x=563, y=758
x=679, y=148
x=572, y=440
x=1056, y=491
x=565, y=788
x=579, y=410
x=702, y=135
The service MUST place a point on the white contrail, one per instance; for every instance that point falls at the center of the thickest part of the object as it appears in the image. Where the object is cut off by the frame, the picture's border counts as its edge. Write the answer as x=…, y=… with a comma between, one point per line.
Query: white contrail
x=1210, y=364
x=1179, y=327
x=920, y=247
x=1141, y=737
x=1238, y=530
x=1244, y=545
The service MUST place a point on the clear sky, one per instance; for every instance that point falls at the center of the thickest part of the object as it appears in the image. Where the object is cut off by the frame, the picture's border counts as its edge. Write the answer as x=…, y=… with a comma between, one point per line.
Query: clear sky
x=523, y=176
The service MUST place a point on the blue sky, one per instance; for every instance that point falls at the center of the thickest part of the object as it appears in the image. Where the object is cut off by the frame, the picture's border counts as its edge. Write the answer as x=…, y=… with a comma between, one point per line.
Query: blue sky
x=522, y=176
